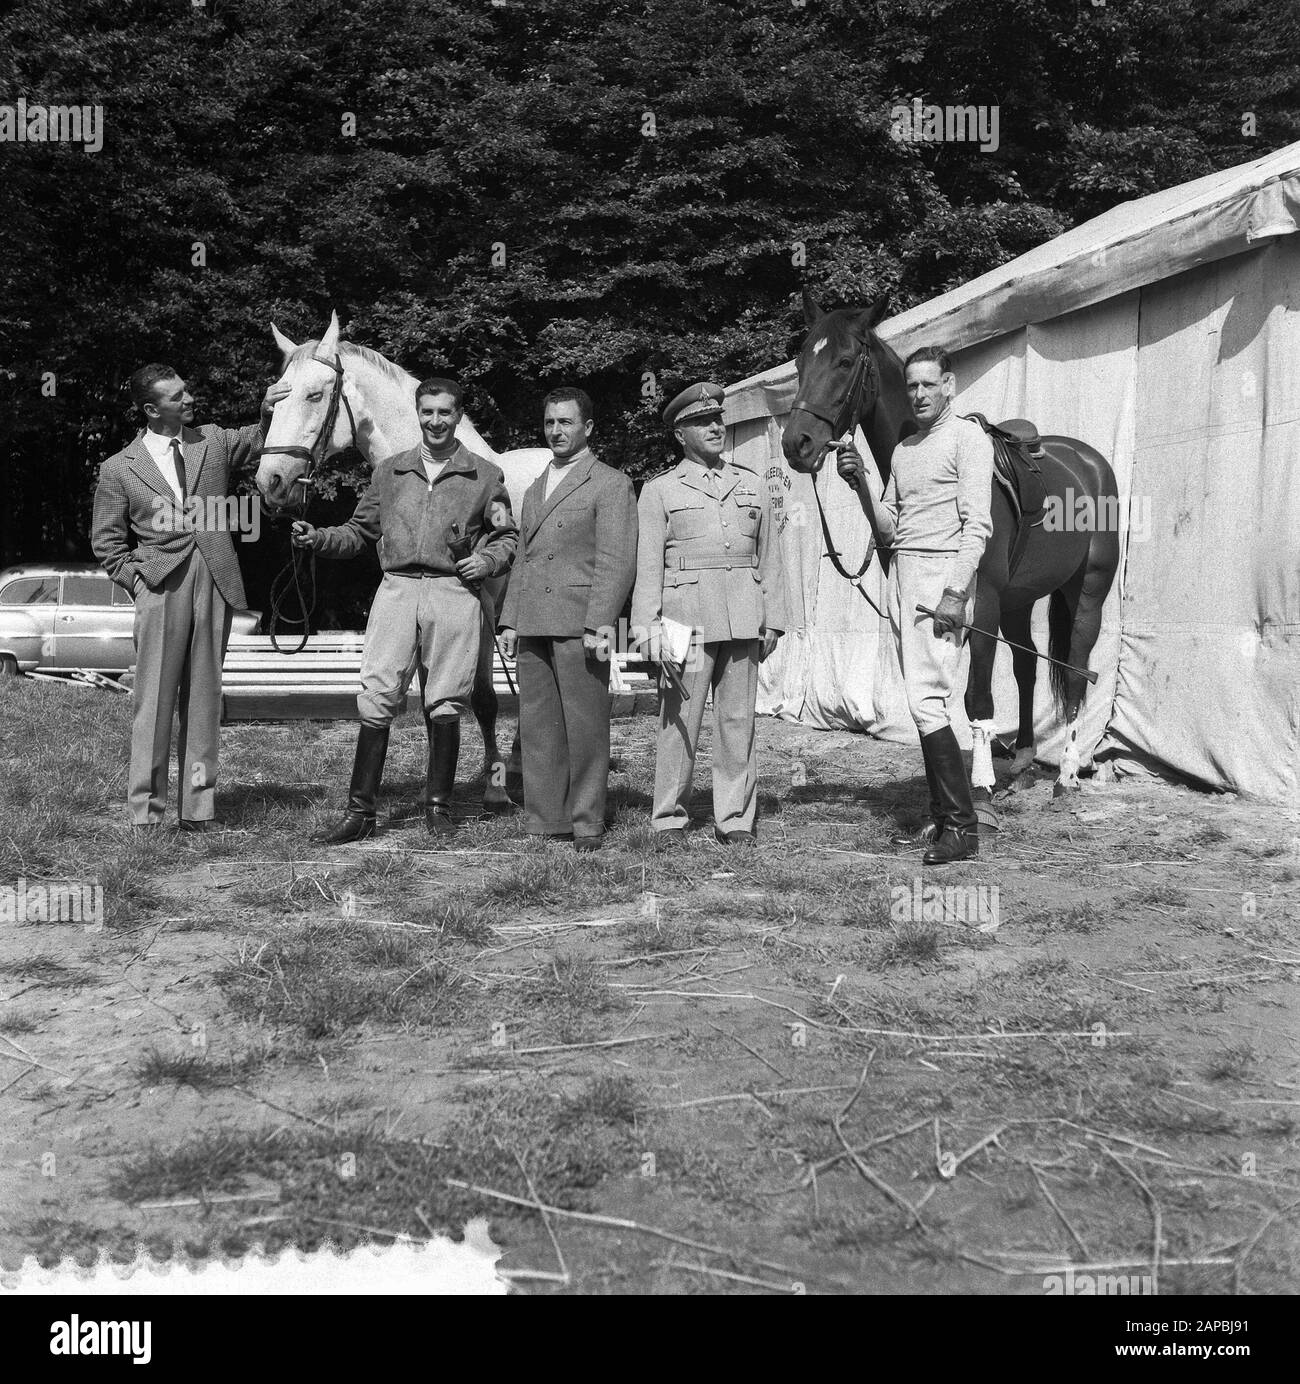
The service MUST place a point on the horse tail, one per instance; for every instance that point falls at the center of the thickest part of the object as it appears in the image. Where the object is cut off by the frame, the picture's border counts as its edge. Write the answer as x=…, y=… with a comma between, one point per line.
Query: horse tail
x=1060, y=632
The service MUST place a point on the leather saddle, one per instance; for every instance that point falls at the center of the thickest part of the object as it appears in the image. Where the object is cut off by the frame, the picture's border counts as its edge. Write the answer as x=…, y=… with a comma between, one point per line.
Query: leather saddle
x=1017, y=446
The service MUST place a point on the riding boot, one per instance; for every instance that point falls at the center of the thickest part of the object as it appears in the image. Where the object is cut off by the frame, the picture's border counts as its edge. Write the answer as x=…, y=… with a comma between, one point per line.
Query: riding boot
x=959, y=839
x=440, y=782
x=358, y=821
x=933, y=829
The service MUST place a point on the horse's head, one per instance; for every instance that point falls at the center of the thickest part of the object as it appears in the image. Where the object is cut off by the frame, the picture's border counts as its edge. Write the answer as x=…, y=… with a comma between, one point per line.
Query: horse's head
x=294, y=436
x=838, y=381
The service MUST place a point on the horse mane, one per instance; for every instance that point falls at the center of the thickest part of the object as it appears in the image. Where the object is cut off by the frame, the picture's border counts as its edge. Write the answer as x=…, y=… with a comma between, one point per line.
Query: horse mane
x=351, y=349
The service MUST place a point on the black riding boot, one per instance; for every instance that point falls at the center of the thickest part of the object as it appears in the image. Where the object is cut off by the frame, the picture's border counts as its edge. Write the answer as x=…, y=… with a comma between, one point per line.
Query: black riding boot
x=933, y=829
x=959, y=839
x=444, y=751
x=358, y=820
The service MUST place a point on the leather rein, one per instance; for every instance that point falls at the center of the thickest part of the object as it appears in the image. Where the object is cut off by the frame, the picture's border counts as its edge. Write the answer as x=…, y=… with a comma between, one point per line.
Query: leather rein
x=839, y=423
x=291, y=574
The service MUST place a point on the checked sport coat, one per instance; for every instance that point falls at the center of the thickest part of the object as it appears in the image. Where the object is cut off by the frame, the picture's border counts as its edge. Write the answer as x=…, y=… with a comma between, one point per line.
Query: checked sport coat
x=139, y=527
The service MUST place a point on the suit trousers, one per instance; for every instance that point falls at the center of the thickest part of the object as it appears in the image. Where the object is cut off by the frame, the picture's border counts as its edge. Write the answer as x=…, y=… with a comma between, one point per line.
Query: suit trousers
x=181, y=633
x=730, y=667
x=564, y=709
x=929, y=665
x=427, y=622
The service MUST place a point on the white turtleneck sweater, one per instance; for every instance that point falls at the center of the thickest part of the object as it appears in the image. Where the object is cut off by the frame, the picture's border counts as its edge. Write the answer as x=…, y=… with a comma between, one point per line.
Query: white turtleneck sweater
x=937, y=498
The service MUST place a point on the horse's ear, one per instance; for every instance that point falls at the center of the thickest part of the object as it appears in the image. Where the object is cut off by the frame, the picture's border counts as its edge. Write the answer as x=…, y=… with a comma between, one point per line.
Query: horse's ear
x=870, y=317
x=287, y=347
x=329, y=343
x=811, y=309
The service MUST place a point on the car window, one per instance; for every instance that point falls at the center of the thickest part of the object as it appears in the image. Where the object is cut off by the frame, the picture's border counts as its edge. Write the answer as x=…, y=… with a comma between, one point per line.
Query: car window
x=88, y=590
x=31, y=591
x=121, y=596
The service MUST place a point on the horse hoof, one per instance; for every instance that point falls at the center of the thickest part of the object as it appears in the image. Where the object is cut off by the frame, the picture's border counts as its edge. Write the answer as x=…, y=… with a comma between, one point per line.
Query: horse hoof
x=1023, y=762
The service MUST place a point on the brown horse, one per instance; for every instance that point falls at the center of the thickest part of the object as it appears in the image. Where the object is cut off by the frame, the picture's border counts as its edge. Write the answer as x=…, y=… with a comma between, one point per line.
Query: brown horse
x=848, y=376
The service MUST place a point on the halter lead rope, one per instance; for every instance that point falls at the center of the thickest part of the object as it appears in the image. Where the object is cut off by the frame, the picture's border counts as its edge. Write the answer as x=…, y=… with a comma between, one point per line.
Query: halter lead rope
x=844, y=418
x=291, y=574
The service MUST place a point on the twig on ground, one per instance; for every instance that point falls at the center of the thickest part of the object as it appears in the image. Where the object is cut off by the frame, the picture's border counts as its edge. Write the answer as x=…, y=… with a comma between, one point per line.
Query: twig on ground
x=45, y=1067
x=1060, y=1215
x=618, y=1223
x=285, y=1110
x=771, y=1068
x=796, y=1288
x=872, y=1177
x=559, y=1254
x=1268, y=1221
x=603, y=1043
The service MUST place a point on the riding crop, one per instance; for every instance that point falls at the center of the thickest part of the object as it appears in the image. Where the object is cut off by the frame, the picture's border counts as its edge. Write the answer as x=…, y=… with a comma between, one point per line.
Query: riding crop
x=1020, y=648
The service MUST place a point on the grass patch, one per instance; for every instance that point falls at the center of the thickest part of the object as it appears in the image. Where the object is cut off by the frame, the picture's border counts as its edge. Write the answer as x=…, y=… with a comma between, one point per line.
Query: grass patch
x=1080, y=917
x=572, y=1000
x=911, y=944
x=553, y=879
x=45, y=970
x=1160, y=896
x=1231, y=1063
x=17, y=1021
x=330, y=978
x=569, y=1149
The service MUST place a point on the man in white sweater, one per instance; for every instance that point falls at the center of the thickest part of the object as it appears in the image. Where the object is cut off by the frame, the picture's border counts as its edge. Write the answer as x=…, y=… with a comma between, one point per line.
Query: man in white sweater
x=934, y=517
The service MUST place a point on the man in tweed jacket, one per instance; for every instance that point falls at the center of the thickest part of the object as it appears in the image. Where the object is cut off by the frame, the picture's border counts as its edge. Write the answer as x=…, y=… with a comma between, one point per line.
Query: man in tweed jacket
x=576, y=565
x=161, y=531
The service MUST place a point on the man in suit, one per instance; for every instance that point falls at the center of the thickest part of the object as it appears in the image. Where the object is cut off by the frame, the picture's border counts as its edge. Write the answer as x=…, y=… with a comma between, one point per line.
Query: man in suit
x=441, y=517
x=161, y=531
x=577, y=564
x=708, y=558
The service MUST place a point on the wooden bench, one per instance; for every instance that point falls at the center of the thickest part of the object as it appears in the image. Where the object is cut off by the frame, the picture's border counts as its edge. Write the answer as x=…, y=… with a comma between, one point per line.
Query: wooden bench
x=321, y=683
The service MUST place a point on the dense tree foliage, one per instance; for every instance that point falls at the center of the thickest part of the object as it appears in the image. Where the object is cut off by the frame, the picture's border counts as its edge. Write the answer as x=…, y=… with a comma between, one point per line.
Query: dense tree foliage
x=538, y=191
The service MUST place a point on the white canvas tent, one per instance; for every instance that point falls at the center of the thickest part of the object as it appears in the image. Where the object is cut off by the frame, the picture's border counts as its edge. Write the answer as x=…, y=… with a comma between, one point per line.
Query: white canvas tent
x=1166, y=334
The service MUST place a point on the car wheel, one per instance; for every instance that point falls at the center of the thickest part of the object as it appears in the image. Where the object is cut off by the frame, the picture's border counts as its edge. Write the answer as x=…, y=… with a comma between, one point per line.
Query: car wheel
x=8, y=666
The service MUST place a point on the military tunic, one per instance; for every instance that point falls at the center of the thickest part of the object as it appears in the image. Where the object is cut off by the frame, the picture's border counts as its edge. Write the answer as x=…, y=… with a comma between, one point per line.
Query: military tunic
x=708, y=557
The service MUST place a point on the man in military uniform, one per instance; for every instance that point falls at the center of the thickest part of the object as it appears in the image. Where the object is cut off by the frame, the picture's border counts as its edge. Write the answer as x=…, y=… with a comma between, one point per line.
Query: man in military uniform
x=708, y=558
x=441, y=517
x=576, y=565
x=934, y=517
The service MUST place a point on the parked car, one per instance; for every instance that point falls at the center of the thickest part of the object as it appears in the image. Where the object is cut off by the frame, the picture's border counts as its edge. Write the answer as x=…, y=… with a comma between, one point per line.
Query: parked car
x=59, y=618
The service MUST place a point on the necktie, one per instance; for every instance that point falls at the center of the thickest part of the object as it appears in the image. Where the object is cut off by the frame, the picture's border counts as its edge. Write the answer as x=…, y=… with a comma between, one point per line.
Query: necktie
x=179, y=461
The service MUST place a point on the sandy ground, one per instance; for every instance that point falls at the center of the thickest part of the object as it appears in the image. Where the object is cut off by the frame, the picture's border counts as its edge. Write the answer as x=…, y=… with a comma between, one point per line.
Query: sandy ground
x=1147, y=932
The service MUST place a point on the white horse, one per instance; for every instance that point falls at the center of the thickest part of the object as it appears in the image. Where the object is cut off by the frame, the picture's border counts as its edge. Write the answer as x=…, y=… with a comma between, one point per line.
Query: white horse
x=373, y=403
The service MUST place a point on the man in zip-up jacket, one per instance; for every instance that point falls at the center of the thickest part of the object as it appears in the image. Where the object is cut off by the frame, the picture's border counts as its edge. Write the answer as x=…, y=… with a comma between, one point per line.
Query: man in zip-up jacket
x=441, y=517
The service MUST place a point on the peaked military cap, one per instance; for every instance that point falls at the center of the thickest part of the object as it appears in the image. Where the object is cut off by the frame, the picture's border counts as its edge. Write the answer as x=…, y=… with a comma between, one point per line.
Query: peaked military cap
x=696, y=401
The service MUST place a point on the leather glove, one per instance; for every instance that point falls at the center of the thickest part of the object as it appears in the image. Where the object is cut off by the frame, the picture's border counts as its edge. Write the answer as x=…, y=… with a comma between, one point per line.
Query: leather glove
x=949, y=615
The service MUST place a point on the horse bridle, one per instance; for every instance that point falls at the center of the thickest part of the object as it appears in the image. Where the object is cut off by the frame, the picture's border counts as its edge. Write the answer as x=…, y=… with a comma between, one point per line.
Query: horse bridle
x=290, y=575
x=864, y=371
x=315, y=454
x=839, y=423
